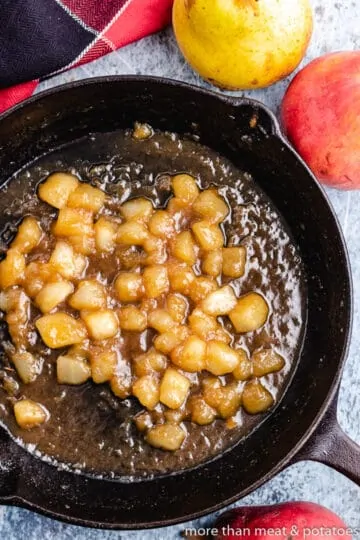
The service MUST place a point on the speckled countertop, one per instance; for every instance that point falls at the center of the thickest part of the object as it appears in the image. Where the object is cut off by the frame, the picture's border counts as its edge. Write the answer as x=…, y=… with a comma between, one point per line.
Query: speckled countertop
x=337, y=27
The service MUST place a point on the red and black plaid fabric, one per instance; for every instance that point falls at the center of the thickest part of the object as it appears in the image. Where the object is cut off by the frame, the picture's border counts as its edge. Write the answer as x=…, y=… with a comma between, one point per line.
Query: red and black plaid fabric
x=39, y=38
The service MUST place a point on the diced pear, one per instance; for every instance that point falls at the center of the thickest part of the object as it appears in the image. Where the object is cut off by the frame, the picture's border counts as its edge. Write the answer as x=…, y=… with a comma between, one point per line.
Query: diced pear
x=244, y=370
x=181, y=277
x=103, y=365
x=146, y=390
x=185, y=187
x=175, y=416
x=208, y=236
x=16, y=304
x=266, y=361
x=178, y=208
x=212, y=263
x=73, y=222
x=190, y=356
x=174, y=388
x=131, y=233
x=10, y=385
x=156, y=281
x=60, y=330
x=53, y=294
x=57, y=189
x=149, y=362
x=156, y=250
x=177, y=306
x=30, y=414
x=83, y=244
x=161, y=320
x=28, y=367
x=65, y=261
x=234, y=260
x=202, y=324
x=6, y=300
x=132, y=319
x=87, y=197
x=142, y=131
x=220, y=358
x=201, y=412
x=120, y=386
x=230, y=400
x=250, y=313
x=212, y=391
x=72, y=370
x=166, y=436
x=89, y=295
x=105, y=235
x=129, y=287
x=80, y=350
x=80, y=264
x=184, y=248
x=14, y=299
x=102, y=324
x=167, y=341
x=139, y=209
x=162, y=224
x=28, y=235
x=12, y=269
x=143, y=421
x=36, y=275
x=153, y=243
x=219, y=302
x=149, y=304
x=221, y=334
x=256, y=398
x=201, y=287
x=211, y=206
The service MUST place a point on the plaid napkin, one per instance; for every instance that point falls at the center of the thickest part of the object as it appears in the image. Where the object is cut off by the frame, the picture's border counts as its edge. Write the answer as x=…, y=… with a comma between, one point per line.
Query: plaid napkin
x=39, y=38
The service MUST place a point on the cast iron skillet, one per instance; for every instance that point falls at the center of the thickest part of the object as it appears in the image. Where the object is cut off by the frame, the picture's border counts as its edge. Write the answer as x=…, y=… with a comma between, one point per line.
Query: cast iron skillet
x=304, y=425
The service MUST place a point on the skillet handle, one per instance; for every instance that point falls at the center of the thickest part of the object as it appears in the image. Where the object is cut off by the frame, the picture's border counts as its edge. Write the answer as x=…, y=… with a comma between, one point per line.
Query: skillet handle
x=9, y=466
x=331, y=446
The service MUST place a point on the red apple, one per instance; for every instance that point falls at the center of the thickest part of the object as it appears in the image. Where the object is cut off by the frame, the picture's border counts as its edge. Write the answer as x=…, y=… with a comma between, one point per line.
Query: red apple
x=292, y=520
x=321, y=117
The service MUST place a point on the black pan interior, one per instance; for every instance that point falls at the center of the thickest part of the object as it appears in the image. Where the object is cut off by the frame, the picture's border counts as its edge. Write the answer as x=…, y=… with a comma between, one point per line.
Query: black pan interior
x=225, y=125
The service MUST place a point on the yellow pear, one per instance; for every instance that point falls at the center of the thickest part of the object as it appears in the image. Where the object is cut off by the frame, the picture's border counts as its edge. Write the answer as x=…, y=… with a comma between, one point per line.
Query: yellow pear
x=243, y=44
